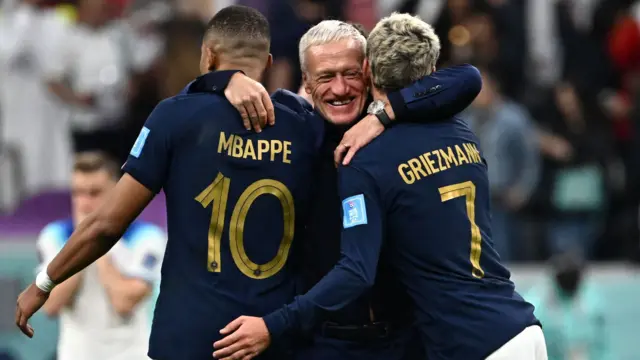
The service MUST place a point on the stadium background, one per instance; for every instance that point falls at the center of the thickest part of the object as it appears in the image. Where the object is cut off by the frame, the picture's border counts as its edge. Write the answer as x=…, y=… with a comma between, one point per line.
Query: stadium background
x=570, y=67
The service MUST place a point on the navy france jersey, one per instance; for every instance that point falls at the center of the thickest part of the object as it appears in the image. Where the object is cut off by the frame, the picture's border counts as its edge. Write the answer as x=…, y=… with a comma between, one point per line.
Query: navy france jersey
x=420, y=193
x=417, y=200
x=235, y=202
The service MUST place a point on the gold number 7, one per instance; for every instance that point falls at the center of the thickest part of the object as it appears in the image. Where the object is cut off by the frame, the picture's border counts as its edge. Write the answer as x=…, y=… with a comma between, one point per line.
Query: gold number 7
x=468, y=190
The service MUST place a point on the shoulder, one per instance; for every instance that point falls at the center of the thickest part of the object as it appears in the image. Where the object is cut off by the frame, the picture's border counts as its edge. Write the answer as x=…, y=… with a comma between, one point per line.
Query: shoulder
x=368, y=160
x=289, y=101
x=192, y=102
x=174, y=112
x=143, y=232
x=296, y=107
x=57, y=232
x=386, y=146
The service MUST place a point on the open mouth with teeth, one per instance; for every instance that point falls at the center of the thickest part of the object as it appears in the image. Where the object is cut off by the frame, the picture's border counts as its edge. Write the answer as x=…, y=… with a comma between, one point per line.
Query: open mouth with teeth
x=343, y=102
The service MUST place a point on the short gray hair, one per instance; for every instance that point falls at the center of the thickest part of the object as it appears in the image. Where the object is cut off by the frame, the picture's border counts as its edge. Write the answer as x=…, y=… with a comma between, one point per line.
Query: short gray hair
x=326, y=32
x=401, y=49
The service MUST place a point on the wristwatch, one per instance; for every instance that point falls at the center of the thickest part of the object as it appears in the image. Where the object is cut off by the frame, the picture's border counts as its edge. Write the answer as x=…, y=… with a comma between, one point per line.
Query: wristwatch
x=377, y=108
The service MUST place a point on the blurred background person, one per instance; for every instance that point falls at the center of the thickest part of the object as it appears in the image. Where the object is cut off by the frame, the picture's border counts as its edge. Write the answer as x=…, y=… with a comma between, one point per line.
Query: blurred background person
x=88, y=73
x=102, y=313
x=571, y=312
x=575, y=142
x=33, y=127
x=506, y=133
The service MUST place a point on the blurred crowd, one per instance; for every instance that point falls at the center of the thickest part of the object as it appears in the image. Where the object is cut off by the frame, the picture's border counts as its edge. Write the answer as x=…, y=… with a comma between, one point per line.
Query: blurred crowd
x=556, y=117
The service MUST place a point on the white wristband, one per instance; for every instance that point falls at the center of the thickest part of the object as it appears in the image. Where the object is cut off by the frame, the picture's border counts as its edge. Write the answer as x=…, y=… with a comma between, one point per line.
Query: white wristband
x=43, y=282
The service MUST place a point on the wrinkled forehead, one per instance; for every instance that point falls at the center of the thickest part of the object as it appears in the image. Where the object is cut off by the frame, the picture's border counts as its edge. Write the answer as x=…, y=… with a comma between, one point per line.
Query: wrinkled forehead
x=334, y=57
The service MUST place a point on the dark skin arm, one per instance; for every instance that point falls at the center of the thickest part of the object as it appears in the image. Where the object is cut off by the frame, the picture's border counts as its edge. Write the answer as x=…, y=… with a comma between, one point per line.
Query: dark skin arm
x=91, y=240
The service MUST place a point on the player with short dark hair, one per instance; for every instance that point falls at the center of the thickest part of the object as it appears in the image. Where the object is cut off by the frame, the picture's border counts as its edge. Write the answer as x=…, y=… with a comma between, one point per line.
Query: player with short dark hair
x=235, y=200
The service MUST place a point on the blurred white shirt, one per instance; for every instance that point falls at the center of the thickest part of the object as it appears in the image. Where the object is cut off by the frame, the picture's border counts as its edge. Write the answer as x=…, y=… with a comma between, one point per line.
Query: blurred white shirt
x=30, y=118
x=92, y=62
x=91, y=329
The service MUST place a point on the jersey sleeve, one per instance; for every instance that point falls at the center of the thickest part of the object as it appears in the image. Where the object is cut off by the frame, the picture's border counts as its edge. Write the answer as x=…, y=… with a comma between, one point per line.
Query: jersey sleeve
x=355, y=272
x=50, y=241
x=148, y=246
x=149, y=158
x=440, y=95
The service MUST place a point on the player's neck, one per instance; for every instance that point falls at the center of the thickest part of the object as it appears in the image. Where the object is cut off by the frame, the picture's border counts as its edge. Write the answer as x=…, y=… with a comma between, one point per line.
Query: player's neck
x=253, y=71
x=378, y=94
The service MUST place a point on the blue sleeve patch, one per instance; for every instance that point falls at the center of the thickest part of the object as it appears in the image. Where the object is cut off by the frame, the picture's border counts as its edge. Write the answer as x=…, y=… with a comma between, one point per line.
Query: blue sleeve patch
x=139, y=144
x=354, y=210
x=149, y=261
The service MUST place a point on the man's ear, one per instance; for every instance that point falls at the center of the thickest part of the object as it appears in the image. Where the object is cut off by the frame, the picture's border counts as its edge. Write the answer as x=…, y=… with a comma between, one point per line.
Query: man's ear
x=269, y=62
x=212, y=59
x=306, y=82
x=366, y=72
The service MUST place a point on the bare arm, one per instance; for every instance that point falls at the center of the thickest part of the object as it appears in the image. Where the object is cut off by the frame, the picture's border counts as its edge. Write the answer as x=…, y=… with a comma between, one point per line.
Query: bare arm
x=124, y=292
x=101, y=230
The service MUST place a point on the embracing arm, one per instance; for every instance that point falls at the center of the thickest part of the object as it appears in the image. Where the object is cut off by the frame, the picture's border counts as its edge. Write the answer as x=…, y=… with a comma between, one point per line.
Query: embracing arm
x=354, y=274
x=440, y=95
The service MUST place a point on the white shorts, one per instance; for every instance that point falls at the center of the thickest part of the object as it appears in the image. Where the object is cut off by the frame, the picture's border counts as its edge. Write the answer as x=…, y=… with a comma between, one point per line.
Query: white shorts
x=527, y=345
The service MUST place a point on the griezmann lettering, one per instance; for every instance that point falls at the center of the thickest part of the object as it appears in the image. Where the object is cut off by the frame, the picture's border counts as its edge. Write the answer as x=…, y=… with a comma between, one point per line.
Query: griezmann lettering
x=438, y=160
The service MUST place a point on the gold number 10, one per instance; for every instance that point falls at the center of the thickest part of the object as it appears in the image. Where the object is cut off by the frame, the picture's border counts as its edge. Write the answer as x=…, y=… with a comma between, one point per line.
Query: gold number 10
x=468, y=190
x=218, y=193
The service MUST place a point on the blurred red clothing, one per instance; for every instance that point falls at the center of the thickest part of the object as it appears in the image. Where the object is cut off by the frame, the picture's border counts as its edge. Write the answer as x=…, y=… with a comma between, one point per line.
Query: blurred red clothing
x=624, y=44
x=624, y=51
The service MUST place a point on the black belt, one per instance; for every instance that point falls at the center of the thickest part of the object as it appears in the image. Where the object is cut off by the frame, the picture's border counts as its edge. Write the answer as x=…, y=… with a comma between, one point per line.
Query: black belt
x=366, y=332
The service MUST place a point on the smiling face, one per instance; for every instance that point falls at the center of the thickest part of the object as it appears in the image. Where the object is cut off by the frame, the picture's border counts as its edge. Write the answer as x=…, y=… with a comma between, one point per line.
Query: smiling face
x=335, y=78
